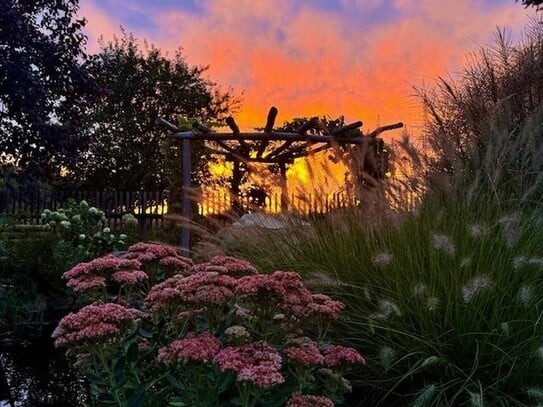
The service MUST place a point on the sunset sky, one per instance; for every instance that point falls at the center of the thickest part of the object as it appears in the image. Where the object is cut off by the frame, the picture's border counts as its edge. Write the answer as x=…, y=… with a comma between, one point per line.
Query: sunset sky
x=358, y=58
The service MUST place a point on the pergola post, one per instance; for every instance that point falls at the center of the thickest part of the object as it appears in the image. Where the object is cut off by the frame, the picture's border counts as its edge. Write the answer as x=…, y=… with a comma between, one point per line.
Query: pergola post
x=283, y=184
x=187, y=207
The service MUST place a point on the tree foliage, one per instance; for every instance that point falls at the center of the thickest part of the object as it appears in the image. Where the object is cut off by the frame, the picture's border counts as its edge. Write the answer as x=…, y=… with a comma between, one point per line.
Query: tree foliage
x=44, y=84
x=142, y=84
x=532, y=3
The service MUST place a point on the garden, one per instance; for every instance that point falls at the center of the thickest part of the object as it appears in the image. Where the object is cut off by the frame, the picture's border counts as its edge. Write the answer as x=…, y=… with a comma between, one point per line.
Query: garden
x=425, y=289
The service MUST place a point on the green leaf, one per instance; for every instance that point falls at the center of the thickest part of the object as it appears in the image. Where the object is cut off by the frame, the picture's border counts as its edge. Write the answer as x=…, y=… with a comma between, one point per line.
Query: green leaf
x=95, y=379
x=132, y=353
x=174, y=382
x=136, y=400
x=225, y=381
x=144, y=334
x=177, y=402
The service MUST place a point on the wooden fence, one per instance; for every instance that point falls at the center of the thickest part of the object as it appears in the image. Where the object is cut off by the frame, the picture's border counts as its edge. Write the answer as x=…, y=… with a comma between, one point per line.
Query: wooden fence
x=26, y=207
x=217, y=201
x=149, y=207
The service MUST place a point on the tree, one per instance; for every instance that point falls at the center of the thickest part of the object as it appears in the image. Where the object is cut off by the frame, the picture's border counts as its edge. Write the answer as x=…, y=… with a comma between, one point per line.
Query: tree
x=532, y=3
x=44, y=84
x=142, y=84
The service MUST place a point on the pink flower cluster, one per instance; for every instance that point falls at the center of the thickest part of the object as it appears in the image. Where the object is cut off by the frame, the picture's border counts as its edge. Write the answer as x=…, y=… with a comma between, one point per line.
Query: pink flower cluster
x=288, y=290
x=322, y=306
x=304, y=351
x=299, y=400
x=284, y=287
x=203, y=288
x=228, y=265
x=95, y=322
x=95, y=273
x=336, y=354
x=166, y=256
x=194, y=347
x=256, y=362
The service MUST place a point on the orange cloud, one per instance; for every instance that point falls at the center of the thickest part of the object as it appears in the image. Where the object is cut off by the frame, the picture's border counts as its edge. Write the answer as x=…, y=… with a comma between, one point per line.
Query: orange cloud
x=316, y=61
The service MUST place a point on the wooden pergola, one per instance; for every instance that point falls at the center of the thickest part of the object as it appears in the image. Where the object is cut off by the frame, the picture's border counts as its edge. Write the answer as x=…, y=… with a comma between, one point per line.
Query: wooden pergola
x=266, y=147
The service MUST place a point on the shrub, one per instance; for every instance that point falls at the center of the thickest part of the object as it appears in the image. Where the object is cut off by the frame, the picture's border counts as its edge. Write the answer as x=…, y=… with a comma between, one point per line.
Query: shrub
x=84, y=228
x=163, y=330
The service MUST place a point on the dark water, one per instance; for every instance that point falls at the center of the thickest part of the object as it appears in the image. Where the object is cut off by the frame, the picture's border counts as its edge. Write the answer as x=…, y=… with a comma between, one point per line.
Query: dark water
x=35, y=374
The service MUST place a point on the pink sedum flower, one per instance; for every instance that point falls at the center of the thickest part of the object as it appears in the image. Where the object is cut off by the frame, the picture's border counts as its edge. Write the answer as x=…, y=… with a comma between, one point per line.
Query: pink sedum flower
x=260, y=286
x=199, y=289
x=295, y=291
x=299, y=400
x=193, y=348
x=237, y=332
x=304, y=351
x=129, y=277
x=322, y=306
x=95, y=273
x=336, y=354
x=227, y=265
x=256, y=362
x=94, y=323
x=166, y=256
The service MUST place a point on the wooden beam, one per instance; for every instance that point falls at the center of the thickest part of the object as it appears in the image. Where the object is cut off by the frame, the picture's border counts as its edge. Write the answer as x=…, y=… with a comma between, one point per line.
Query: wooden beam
x=274, y=136
x=272, y=114
x=161, y=122
x=270, y=121
x=381, y=129
x=279, y=149
x=232, y=124
x=201, y=128
x=308, y=125
x=345, y=129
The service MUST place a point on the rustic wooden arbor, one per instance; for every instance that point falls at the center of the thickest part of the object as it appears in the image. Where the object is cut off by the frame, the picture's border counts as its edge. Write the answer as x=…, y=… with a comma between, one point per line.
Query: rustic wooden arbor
x=266, y=147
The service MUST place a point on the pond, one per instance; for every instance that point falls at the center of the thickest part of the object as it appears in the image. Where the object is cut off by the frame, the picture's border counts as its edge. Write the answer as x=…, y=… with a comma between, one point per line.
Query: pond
x=35, y=374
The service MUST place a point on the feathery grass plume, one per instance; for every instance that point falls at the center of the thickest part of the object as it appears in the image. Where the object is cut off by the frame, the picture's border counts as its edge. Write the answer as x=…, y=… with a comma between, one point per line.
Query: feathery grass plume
x=474, y=287
x=381, y=259
x=386, y=309
x=420, y=289
x=432, y=303
x=320, y=279
x=519, y=261
x=539, y=352
x=525, y=294
x=476, y=399
x=466, y=262
x=477, y=230
x=425, y=396
x=535, y=393
x=523, y=261
x=510, y=227
x=387, y=355
x=443, y=243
